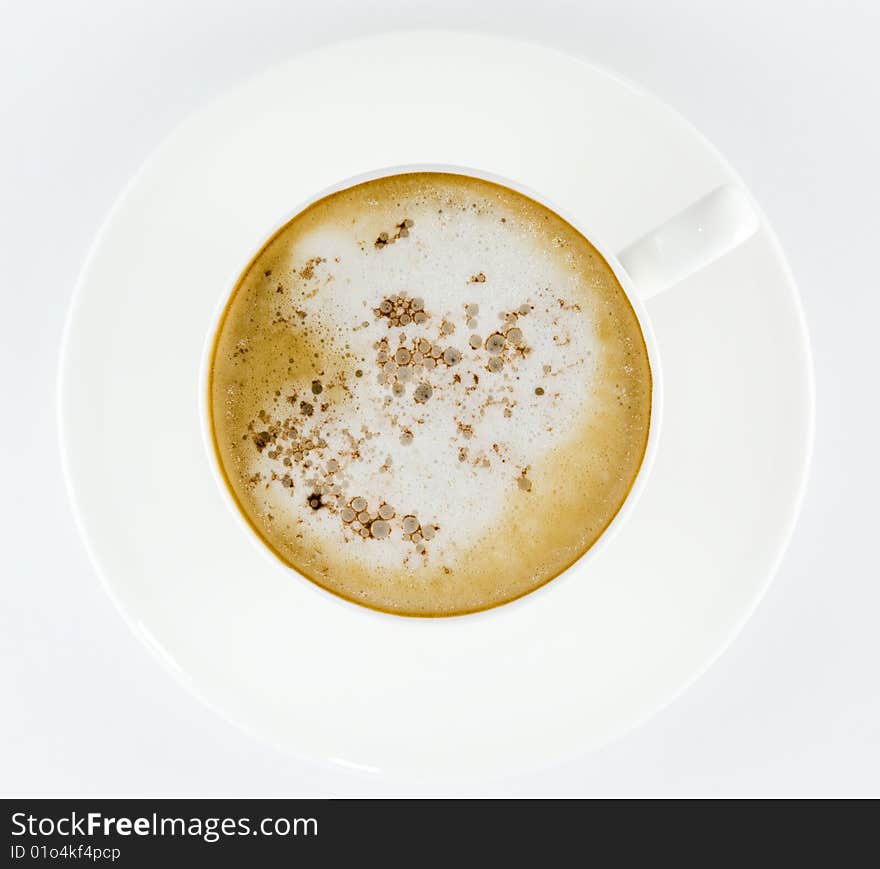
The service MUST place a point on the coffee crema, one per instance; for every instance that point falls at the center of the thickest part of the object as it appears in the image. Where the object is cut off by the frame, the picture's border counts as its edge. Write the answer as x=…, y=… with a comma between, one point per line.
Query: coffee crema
x=429, y=394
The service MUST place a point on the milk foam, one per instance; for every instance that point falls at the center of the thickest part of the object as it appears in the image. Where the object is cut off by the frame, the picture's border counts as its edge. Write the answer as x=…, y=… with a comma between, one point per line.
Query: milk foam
x=322, y=401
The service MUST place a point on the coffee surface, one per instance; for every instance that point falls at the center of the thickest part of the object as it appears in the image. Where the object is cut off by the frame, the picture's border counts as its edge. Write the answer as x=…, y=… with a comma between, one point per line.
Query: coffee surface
x=429, y=394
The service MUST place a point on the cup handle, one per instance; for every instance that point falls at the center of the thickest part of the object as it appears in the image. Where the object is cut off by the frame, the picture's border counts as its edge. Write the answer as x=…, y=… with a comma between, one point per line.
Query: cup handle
x=690, y=240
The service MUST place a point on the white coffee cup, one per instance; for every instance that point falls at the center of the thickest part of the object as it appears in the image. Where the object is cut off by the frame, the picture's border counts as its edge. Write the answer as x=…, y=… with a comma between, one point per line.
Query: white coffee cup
x=685, y=243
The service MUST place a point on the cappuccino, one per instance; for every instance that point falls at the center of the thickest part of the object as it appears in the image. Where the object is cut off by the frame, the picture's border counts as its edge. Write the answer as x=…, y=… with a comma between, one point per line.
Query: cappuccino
x=429, y=394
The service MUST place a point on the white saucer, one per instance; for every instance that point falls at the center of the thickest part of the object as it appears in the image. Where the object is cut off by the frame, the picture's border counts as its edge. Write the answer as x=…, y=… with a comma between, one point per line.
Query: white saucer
x=575, y=666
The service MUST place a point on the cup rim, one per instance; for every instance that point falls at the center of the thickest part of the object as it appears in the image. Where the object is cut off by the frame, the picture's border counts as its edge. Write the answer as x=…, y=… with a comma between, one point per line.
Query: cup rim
x=611, y=529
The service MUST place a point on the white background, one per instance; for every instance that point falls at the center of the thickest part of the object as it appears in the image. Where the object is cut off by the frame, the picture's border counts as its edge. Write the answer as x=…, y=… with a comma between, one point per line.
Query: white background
x=787, y=90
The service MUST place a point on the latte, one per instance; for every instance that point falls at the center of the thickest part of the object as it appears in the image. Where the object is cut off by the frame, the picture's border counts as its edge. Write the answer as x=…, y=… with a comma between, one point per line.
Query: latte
x=429, y=394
